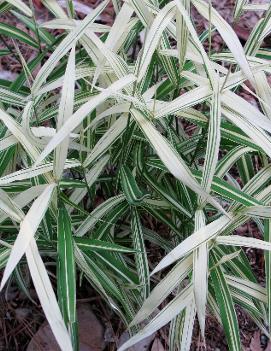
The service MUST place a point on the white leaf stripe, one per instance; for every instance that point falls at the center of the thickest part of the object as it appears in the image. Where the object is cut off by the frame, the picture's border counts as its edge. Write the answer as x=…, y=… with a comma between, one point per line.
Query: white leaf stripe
x=33, y=172
x=267, y=257
x=159, y=24
x=130, y=187
x=64, y=112
x=193, y=241
x=20, y=5
x=163, y=289
x=96, y=244
x=10, y=207
x=102, y=146
x=170, y=158
x=226, y=307
x=91, y=177
x=227, y=34
x=141, y=258
x=252, y=289
x=180, y=302
x=81, y=113
x=16, y=129
x=188, y=324
x=238, y=240
x=213, y=142
x=64, y=47
x=200, y=273
x=67, y=272
x=28, y=228
x=97, y=214
x=47, y=297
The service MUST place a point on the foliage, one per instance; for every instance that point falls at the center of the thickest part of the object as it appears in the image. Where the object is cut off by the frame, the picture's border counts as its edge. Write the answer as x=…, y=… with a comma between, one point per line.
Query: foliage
x=155, y=135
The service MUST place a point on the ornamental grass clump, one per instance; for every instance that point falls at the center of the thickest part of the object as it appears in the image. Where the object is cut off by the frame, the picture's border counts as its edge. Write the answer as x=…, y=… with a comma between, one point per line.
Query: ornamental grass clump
x=117, y=139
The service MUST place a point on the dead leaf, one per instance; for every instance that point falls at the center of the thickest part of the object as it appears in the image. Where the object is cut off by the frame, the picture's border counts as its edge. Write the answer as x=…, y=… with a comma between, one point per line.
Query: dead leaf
x=157, y=345
x=91, y=334
x=38, y=4
x=255, y=344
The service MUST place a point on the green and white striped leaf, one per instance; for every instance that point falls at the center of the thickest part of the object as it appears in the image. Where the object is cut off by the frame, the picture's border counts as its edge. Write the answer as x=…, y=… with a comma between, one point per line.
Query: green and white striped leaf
x=102, y=146
x=20, y=5
x=228, y=35
x=237, y=240
x=187, y=327
x=141, y=257
x=180, y=302
x=81, y=113
x=100, y=245
x=226, y=307
x=170, y=158
x=246, y=286
x=65, y=46
x=200, y=273
x=91, y=177
x=47, y=297
x=18, y=132
x=201, y=236
x=267, y=258
x=163, y=289
x=67, y=273
x=21, y=200
x=182, y=34
x=65, y=111
x=154, y=35
x=33, y=172
x=28, y=228
x=10, y=207
x=15, y=33
x=130, y=187
x=97, y=214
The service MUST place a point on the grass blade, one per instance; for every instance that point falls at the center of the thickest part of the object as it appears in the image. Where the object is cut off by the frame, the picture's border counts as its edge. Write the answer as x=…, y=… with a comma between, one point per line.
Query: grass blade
x=67, y=274
x=65, y=111
x=47, y=297
x=225, y=303
x=28, y=228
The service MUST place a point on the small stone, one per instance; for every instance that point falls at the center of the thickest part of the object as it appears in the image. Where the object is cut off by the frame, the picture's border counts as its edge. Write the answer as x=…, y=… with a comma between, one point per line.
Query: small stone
x=91, y=333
